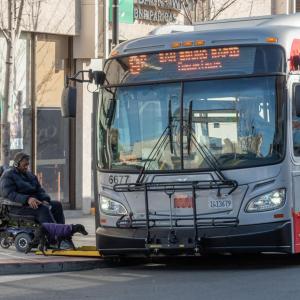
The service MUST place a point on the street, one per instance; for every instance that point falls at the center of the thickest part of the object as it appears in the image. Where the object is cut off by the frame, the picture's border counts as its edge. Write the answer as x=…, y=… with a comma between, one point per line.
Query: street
x=217, y=277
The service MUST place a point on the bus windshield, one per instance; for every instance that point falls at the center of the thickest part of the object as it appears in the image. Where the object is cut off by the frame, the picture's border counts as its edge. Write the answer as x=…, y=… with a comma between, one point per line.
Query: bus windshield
x=238, y=120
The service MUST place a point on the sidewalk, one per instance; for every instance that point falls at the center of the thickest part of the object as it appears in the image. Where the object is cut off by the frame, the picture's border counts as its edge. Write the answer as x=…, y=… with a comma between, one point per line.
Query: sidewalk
x=13, y=262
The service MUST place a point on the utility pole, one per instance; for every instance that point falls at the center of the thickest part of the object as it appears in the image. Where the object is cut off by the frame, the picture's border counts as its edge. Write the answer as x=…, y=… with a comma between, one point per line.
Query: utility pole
x=115, y=23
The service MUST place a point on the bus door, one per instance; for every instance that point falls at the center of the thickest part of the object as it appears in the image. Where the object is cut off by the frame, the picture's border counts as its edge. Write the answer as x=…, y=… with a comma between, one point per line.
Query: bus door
x=295, y=128
x=294, y=91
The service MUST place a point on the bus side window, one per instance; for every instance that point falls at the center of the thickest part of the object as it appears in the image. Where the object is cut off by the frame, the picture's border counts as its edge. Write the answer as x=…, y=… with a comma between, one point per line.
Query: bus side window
x=296, y=120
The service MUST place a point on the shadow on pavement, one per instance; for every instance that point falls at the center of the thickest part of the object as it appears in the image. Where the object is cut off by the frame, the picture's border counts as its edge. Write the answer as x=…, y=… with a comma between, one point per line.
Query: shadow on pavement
x=210, y=262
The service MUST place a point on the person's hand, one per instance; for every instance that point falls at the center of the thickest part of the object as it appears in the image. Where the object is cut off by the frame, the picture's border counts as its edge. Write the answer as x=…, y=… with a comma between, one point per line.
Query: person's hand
x=33, y=202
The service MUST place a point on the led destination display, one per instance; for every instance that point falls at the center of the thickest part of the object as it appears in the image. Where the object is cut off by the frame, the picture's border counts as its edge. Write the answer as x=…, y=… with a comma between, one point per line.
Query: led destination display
x=191, y=60
x=195, y=63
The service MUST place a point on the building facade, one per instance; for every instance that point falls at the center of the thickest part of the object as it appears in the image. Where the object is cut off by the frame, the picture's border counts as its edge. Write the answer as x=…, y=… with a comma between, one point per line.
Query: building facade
x=42, y=61
x=61, y=37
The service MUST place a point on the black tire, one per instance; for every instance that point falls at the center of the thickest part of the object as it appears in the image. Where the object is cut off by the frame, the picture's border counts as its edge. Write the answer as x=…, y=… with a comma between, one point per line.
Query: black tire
x=22, y=241
x=4, y=243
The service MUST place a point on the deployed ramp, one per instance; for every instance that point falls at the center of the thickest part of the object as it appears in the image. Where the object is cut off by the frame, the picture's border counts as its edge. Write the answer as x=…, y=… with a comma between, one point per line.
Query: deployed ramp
x=84, y=251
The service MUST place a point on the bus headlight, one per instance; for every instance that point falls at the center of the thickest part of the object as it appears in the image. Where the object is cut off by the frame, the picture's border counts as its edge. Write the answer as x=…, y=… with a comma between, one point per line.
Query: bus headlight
x=111, y=207
x=269, y=201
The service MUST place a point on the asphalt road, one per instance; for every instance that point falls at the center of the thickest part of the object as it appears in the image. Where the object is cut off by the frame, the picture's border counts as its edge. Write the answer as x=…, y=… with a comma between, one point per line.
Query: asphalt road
x=238, y=277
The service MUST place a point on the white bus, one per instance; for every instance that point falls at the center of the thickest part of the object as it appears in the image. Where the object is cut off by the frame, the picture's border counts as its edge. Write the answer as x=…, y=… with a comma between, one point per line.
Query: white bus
x=198, y=141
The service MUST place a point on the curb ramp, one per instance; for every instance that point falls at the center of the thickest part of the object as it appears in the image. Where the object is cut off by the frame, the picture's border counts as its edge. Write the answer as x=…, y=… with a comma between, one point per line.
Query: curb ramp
x=84, y=251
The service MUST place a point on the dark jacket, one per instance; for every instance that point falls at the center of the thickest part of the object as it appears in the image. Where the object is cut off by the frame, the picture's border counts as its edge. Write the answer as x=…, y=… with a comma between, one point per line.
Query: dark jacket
x=18, y=187
x=58, y=230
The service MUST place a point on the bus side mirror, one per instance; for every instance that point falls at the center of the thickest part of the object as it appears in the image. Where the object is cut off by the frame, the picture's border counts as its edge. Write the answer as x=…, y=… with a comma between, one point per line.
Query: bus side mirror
x=98, y=77
x=297, y=99
x=68, y=102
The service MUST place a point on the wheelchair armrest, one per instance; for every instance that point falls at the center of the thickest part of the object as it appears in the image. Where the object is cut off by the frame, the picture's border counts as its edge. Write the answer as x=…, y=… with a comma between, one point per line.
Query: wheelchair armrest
x=5, y=201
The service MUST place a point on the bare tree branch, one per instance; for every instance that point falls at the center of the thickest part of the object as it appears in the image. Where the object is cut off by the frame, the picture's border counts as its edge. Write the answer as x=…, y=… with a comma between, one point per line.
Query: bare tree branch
x=251, y=7
x=187, y=12
x=38, y=8
x=227, y=4
x=204, y=9
x=19, y=19
x=212, y=8
x=4, y=33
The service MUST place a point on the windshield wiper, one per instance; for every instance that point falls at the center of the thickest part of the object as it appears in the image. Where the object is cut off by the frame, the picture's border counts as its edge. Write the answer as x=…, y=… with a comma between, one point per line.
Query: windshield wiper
x=170, y=124
x=153, y=154
x=161, y=143
x=208, y=157
x=202, y=148
x=190, y=127
x=214, y=164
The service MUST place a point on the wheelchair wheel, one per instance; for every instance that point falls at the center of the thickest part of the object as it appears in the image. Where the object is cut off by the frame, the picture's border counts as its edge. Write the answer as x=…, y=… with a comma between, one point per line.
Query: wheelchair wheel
x=4, y=243
x=22, y=241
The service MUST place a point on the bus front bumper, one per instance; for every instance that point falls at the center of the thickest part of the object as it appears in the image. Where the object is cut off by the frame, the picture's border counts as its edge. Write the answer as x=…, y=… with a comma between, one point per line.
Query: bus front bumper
x=270, y=237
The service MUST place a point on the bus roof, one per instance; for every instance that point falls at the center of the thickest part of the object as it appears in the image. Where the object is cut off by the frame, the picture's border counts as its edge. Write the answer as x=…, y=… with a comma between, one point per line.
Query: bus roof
x=216, y=33
x=250, y=22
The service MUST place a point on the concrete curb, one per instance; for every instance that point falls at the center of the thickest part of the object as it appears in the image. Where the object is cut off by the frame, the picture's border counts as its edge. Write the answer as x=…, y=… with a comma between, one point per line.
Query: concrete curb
x=21, y=267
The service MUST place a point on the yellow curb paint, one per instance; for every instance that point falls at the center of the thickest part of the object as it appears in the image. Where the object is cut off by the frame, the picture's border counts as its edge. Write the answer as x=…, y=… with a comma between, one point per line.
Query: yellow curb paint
x=84, y=251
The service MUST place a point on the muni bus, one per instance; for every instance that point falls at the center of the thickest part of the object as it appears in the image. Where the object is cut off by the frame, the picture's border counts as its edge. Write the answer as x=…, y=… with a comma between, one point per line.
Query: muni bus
x=197, y=140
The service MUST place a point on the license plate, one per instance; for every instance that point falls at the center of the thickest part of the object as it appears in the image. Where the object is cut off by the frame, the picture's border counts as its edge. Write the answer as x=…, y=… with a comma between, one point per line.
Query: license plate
x=183, y=201
x=220, y=203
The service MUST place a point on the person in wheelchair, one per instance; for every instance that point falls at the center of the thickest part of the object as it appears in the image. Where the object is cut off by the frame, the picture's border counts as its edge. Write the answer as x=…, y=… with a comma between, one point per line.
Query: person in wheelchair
x=20, y=185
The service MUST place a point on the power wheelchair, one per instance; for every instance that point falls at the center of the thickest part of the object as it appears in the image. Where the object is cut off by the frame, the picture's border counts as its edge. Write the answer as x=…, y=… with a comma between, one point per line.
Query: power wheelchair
x=17, y=230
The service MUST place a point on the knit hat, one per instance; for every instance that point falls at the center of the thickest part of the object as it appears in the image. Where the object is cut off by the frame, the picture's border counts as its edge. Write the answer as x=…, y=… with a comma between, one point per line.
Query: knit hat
x=19, y=157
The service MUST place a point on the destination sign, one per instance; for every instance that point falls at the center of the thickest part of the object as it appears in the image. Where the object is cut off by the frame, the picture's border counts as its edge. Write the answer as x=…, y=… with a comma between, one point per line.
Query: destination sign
x=185, y=61
x=182, y=64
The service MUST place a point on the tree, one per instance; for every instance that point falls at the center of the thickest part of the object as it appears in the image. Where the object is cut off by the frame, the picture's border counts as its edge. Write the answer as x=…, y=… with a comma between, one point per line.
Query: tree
x=204, y=10
x=12, y=17
x=12, y=34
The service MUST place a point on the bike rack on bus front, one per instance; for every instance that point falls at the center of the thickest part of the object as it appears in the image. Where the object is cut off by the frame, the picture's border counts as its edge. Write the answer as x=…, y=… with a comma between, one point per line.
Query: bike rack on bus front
x=127, y=221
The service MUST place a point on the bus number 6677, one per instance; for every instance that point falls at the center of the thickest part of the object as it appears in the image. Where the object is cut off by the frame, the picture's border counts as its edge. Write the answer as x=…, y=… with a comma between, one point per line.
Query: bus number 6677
x=117, y=179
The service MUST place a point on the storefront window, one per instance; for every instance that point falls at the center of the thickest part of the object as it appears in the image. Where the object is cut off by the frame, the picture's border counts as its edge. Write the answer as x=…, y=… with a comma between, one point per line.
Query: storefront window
x=52, y=129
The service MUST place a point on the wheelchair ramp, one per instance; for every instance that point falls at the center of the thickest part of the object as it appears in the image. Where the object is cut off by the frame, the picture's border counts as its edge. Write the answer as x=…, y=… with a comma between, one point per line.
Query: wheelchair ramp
x=84, y=251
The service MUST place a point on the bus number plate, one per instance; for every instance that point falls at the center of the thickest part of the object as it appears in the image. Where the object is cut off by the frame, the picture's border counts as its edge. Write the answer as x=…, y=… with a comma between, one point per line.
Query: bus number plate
x=118, y=179
x=222, y=203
